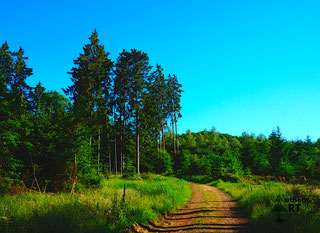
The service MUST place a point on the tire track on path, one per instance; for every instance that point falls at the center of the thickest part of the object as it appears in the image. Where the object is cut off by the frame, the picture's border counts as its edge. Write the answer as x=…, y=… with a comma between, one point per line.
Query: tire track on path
x=209, y=210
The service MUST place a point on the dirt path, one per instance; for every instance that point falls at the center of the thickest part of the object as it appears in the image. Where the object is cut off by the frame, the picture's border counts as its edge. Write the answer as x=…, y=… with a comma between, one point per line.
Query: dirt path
x=209, y=210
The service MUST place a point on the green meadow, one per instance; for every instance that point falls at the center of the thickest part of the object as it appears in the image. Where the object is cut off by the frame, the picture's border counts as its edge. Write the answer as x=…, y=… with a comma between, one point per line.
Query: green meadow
x=93, y=210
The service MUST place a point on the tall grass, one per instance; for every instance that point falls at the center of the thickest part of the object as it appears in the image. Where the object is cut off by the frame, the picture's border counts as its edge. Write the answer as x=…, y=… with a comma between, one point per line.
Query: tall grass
x=99, y=210
x=268, y=210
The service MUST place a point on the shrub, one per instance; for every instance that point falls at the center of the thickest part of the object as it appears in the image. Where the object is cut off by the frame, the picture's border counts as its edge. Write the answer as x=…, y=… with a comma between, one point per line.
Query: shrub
x=129, y=170
x=165, y=164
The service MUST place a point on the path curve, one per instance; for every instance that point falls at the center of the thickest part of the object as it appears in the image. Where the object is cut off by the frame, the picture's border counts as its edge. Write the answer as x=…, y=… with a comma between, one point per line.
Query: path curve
x=209, y=210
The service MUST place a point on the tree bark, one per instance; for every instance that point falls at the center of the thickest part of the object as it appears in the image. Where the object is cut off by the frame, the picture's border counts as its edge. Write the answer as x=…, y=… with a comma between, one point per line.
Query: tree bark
x=173, y=136
x=177, y=140
x=75, y=171
x=163, y=137
x=90, y=140
x=160, y=140
x=108, y=144
x=123, y=142
x=99, y=147
x=121, y=156
x=158, y=145
x=115, y=155
x=137, y=144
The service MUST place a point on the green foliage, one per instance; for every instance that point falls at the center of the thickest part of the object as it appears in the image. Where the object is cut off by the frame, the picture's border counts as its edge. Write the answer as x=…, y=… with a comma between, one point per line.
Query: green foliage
x=14, y=125
x=214, y=155
x=129, y=170
x=164, y=164
x=115, y=115
x=285, y=168
x=191, y=164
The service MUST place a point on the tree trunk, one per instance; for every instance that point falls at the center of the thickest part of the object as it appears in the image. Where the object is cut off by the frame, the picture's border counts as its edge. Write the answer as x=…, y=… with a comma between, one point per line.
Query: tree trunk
x=163, y=137
x=137, y=144
x=74, y=174
x=160, y=140
x=121, y=156
x=123, y=142
x=35, y=178
x=109, y=147
x=158, y=146
x=90, y=140
x=177, y=140
x=173, y=136
x=115, y=155
x=99, y=147
x=75, y=171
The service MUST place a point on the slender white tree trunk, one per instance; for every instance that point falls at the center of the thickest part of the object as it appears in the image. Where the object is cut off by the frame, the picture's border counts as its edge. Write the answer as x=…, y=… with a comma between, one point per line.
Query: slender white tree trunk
x=99, y=147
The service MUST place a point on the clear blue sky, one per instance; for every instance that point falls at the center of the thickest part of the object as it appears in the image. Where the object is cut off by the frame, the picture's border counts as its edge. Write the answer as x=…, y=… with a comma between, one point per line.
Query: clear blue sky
x=244, y=65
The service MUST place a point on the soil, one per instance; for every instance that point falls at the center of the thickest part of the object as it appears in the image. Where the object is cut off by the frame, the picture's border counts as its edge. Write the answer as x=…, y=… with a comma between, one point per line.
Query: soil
x=209, y=210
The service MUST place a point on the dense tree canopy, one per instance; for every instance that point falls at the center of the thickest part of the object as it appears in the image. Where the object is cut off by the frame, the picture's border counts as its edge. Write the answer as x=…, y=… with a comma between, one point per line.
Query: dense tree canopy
x=219, y=154
x=110, y=124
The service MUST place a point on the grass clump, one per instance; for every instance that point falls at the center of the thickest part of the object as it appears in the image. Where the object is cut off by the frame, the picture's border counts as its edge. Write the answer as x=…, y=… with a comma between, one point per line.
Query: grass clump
x=98, y=210
x=267, y=205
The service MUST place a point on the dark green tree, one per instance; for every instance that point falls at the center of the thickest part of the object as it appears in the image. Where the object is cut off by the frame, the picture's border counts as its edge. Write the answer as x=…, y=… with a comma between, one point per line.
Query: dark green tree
x=91, y=95
x=14, y=125
x=133, y=67
x=276, y=145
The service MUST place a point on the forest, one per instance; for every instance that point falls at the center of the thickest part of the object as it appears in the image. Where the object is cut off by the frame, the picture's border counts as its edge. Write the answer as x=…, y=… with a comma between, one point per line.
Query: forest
x=215, y=154
x=114, y=121
x=121, y=117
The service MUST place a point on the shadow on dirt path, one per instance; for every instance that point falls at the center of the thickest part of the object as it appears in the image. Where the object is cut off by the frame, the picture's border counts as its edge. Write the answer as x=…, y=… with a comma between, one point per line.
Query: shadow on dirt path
x=209, y=210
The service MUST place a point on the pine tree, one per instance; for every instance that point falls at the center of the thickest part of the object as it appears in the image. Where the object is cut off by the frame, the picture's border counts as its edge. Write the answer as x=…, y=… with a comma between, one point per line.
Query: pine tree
x=276, y=145
x=14, y=125
x=91, y=92
x=174, y=107
x=18, y=92
x=132, y=69
x=157, y=101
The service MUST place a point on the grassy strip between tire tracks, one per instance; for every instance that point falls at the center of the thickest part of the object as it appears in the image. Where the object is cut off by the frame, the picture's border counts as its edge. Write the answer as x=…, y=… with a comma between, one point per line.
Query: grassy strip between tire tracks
x=98, y=210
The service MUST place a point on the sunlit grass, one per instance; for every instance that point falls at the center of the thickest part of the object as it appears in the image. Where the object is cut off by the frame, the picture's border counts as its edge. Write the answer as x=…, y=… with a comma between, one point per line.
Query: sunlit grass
x=99, y=210
x=261, y=202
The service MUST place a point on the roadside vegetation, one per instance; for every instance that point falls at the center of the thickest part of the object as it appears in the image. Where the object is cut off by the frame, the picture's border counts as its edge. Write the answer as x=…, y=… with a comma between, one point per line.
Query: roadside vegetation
x=266, y=205
x=96, y=210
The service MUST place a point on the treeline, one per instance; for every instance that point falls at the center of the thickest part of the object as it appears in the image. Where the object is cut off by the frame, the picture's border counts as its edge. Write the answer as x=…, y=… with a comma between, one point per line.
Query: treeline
x=215, y=154
x=115, y=121
x=121, y=118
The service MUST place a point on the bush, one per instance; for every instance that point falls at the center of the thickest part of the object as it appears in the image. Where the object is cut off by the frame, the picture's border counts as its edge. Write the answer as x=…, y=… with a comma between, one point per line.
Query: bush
x=146, y=175
x=286, y=168
x=129, y=170
x=191, y=164
x=165, y=164
x=231, y=178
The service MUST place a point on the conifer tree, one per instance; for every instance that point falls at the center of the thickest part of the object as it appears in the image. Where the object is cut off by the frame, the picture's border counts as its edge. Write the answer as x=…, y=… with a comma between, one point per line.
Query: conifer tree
x=132, y=69
x=14, y=127
x=174, y=95
x=157, y=101
x=91, y=77
x=276, y=145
